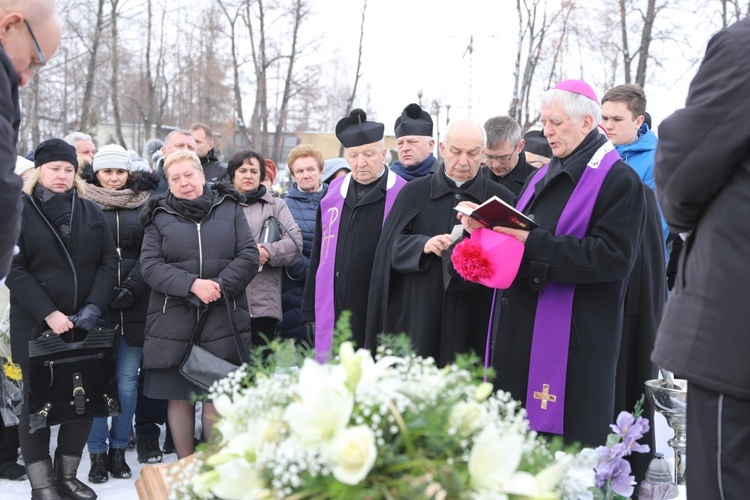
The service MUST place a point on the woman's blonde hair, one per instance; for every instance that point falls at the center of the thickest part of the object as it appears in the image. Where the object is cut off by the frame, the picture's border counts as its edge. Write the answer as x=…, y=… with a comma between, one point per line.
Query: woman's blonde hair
x=181, y=155
x=33, y=180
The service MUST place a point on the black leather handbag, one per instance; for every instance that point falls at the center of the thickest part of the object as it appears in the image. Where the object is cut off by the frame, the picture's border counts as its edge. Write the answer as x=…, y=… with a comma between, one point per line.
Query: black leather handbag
x=202, y=368
x=72, y=380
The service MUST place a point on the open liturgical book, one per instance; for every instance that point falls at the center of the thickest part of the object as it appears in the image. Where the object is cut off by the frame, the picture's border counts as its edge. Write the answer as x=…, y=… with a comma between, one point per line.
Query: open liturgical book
x=495, y=212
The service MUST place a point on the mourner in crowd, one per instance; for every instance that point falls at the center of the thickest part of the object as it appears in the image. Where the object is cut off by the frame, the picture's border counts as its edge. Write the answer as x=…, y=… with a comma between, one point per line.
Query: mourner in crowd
x=61, y=280
x=347, y=231
x=414, y=143
x=504, y=157
x=193, y=235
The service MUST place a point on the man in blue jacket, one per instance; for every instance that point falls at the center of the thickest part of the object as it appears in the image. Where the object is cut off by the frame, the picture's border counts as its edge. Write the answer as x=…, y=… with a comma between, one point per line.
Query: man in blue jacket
x=623, y=119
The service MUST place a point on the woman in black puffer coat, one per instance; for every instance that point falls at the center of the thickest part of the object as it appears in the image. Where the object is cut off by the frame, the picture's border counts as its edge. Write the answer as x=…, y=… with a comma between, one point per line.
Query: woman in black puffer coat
x=62, y=278
x=121, y=194
x=193, y=235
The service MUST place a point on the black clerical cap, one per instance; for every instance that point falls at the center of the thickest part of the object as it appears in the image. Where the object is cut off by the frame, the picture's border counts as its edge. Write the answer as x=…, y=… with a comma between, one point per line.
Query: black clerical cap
x=413, y=121
x=355, y=130
x=536, y=143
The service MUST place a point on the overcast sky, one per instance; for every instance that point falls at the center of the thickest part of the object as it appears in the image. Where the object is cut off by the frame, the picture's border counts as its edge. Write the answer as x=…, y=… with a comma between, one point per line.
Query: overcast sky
x=421, y=44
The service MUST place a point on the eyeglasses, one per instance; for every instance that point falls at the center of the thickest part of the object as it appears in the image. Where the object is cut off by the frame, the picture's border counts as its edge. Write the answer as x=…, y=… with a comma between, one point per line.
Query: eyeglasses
x=492, y=158
x=42, y=60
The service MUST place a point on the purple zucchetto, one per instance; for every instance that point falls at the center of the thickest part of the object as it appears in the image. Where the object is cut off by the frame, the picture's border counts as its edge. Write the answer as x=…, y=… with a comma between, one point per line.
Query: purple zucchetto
x=577, y=87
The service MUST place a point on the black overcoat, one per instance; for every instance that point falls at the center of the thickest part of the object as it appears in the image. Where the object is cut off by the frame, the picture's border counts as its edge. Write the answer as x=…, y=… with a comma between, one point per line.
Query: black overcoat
x=410, y=292
x=702, y=176
x=359, y=232
x=10, y=183
x=644, y=303
x=127, y=233
x=45, y=277
x=599, y=266
x=175, y=252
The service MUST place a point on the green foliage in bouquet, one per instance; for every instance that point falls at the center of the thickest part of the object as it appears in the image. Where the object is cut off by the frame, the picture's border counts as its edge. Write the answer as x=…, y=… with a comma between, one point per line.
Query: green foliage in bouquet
x=390, y=426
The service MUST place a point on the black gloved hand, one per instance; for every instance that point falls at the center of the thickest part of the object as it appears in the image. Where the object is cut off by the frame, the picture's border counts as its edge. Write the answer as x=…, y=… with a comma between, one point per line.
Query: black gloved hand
x=86, y=317
x=122, y=298
x=195, y=302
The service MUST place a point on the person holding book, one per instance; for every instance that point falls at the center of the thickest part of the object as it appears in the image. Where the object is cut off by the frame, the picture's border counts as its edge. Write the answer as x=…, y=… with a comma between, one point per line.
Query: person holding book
x=410, y=290
x=560, y=324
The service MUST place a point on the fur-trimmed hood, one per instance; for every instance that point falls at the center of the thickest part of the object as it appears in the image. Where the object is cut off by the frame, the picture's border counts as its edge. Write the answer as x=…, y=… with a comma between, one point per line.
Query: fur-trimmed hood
x=142, y=181
x=220, y=190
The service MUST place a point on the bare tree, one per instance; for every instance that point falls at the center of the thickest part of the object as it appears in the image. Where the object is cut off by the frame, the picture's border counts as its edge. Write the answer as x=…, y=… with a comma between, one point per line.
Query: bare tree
x=298, y=12
x=541, y=41
x=358, y=70
x=91, y=67
x=115, y=77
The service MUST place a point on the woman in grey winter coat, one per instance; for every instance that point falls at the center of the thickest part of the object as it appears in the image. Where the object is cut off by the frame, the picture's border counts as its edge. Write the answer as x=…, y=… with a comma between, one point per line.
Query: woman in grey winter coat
x=193, y=235
x=247, y=170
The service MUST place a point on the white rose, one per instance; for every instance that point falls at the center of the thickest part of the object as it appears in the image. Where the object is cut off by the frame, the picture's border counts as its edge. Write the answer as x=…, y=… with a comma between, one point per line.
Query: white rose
x=467, y=417
x=354, y=452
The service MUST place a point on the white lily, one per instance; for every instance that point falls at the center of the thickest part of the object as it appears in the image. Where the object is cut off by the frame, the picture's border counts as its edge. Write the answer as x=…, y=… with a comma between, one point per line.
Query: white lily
x=325, y=403
x=493, y=465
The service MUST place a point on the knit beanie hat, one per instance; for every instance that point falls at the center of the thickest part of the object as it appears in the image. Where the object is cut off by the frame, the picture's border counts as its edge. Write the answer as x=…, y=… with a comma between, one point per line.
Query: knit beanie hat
x=55, y=150
x=112, y=156
x=22, y=165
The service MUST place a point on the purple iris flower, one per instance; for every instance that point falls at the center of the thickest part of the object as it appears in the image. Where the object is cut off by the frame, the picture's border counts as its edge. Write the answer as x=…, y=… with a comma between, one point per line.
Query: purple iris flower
x=631, y=430
x=621, y=481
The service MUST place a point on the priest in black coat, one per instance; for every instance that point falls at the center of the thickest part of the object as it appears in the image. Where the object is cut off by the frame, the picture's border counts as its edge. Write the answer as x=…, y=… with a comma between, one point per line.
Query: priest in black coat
x=563, y=275
x=410, y=291
x=347, y=230
x=504, y=157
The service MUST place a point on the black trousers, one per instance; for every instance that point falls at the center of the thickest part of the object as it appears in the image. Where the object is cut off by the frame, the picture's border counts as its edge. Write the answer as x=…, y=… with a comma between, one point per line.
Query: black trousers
x=8, y=443
x=265, y=326
x=71, y=438
x=718, y=440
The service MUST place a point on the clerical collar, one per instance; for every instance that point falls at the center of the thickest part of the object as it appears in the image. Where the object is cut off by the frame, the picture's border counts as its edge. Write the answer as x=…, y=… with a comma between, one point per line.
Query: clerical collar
x=361, y=190
x=457, y=183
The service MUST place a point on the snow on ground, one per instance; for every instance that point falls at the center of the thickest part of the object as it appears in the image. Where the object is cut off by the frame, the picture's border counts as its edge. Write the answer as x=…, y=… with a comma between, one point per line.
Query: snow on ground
x=114, y=489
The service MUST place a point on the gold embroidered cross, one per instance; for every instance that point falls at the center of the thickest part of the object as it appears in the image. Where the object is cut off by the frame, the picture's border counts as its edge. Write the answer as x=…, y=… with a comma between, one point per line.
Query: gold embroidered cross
x=545, y=396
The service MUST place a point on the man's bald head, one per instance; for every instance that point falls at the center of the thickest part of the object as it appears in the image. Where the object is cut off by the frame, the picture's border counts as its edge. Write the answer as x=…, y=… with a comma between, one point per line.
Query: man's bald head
x=29, y=34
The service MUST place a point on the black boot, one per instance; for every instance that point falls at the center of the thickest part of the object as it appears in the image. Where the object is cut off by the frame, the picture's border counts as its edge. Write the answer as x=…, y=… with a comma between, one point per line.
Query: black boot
x=148, y=450
x=117, y=465
x=98, y=472
x=66, y=468
x=42, y=481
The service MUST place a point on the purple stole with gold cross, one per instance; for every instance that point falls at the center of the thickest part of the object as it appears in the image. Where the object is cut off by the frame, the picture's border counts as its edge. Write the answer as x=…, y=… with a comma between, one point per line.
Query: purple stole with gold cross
x=545, y=396
x=330, y=217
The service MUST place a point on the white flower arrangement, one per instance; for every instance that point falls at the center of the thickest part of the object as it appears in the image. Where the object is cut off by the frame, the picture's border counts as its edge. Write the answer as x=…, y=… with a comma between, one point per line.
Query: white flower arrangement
x=383, y=427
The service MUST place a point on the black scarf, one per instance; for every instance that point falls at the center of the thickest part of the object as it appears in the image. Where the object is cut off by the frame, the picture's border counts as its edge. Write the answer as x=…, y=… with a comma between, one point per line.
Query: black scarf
x=58, y=208
x=196, y=209
x=254, y=196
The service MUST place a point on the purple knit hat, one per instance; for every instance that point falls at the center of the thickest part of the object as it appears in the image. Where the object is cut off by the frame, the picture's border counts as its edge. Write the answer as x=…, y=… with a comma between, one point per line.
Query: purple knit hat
x=577, y=87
